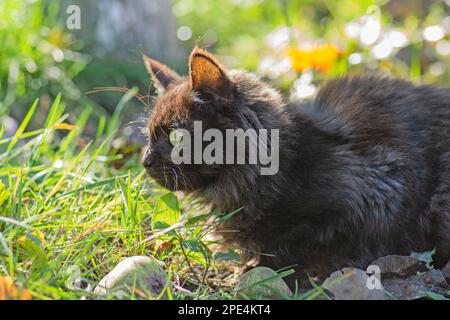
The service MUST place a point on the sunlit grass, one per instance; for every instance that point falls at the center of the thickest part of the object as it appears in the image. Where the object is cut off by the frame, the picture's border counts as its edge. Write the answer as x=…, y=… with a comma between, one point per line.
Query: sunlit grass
x=67, y=216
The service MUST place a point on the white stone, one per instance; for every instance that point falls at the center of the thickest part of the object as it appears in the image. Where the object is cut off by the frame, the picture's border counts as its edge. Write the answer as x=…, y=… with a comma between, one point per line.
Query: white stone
x=139, y=276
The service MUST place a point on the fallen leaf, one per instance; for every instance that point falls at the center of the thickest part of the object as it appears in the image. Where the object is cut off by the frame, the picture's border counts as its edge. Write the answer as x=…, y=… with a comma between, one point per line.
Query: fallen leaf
x=9, y=291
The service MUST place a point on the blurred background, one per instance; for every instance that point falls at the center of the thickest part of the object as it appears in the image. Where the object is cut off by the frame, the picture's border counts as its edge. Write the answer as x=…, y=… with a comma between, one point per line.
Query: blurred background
x=294, y=44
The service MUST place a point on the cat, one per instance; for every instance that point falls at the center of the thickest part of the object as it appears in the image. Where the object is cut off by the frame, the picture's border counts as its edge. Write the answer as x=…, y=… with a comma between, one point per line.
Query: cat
x=364, y=167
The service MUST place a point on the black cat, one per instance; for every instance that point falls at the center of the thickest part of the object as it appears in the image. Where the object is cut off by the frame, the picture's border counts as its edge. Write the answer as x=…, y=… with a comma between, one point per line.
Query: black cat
x=364, y=168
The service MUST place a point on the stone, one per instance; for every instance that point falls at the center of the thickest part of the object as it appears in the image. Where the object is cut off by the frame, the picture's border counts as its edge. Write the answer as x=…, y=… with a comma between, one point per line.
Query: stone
x=395, y=266
x=252, y=284
x=416, y=286
x=446, y=272
x=433, y=278
x=352, y=284
x=139, y=276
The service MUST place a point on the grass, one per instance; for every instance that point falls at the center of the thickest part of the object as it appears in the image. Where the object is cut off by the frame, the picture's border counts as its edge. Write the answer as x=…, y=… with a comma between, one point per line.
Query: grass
x=72, y=208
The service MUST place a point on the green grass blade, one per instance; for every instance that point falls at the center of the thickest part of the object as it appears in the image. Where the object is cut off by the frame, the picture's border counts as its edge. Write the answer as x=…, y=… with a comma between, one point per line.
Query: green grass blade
x=22, y=126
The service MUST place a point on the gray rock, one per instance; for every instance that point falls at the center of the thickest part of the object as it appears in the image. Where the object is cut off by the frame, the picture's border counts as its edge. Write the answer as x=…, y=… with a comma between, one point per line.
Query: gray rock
x=416, y=286
x=10, y=125
x=352, y=284
x=403, y=289
x=433, y=278
x=139, y=276
x=395, y=266
x=253, y=284
x=446, y=272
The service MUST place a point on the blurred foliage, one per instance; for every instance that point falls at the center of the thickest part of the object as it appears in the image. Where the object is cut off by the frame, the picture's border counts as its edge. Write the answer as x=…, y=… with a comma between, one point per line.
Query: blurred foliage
x=37, y=57
x=298, y=43
x=293, y=43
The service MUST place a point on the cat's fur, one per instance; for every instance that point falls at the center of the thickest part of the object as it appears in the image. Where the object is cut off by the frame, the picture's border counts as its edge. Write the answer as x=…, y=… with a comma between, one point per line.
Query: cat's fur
x=364, y=167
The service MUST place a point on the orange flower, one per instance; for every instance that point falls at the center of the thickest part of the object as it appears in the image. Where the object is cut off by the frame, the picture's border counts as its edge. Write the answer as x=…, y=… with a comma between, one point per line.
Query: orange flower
x=9, y=291
x=320, y=58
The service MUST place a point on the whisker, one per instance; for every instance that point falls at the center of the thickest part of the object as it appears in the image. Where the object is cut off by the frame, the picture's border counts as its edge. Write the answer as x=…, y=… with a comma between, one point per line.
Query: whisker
x=165, y=177
x=144, y=99
x=184, y=178
x=175, y=178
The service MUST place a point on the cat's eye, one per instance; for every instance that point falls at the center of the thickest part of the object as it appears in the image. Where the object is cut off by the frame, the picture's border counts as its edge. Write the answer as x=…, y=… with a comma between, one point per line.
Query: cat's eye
x=175, y=137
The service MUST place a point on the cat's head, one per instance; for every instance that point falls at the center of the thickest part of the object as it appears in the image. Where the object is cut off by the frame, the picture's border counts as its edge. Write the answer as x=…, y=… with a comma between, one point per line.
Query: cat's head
x=210, y=94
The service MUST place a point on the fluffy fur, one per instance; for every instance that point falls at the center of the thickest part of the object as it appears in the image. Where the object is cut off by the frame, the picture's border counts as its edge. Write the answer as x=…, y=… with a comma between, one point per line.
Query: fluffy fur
x=364, y=167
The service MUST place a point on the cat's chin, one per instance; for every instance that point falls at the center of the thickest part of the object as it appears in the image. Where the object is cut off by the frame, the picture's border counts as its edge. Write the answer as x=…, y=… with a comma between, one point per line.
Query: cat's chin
x=169, y=183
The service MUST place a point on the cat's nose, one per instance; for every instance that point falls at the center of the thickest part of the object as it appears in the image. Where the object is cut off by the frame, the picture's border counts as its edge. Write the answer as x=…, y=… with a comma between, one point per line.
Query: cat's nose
x=148, y=160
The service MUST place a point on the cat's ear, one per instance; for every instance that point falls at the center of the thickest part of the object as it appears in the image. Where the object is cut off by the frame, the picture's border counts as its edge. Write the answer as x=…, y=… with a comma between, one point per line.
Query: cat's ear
x=207, y=75
x=161, y=74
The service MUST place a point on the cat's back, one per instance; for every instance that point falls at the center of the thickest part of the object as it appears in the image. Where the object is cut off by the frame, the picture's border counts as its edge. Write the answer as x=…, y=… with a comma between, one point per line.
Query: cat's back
x=364, y=97
x=381, y=109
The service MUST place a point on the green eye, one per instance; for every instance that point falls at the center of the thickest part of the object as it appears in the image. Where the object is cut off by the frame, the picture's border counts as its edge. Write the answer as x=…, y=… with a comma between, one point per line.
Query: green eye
x=175, y=137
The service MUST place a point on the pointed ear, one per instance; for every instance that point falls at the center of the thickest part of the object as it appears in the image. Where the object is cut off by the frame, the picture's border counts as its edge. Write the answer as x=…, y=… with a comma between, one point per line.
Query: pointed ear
x=161, y=74
x=207, y=75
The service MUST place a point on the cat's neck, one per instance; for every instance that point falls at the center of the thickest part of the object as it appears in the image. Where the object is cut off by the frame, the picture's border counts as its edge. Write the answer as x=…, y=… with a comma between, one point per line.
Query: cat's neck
x=297, y=141
x=300, y=143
